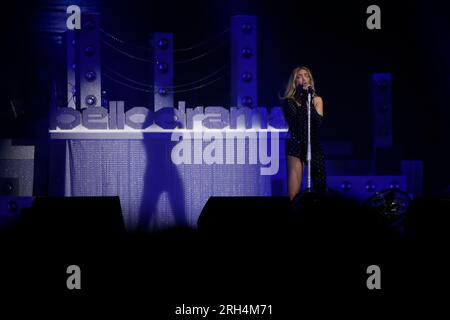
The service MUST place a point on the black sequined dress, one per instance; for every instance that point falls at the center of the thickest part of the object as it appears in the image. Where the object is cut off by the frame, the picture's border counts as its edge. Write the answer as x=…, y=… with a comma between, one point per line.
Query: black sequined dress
x=297, y=119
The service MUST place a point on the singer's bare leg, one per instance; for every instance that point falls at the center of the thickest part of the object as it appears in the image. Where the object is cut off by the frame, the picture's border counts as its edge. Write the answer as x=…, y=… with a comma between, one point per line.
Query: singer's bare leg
x=295, y=172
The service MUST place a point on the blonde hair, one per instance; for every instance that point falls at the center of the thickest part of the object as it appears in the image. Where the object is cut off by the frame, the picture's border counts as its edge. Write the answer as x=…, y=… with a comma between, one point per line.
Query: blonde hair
x=290, y=90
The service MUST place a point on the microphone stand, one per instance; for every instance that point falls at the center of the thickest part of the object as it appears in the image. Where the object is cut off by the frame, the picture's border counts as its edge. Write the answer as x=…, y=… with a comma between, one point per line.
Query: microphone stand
x=308, y=154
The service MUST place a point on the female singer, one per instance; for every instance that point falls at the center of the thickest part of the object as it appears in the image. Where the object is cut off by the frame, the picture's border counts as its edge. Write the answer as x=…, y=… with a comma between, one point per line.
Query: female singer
x=296, y=114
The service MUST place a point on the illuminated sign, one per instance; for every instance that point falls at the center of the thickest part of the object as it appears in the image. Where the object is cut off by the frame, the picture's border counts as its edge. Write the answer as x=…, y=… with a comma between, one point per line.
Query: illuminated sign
x=239, y=135
x=143, y=119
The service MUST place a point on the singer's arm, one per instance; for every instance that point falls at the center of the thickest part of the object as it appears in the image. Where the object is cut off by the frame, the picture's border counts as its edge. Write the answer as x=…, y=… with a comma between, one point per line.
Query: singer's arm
x=318, y=104
x=289, y=111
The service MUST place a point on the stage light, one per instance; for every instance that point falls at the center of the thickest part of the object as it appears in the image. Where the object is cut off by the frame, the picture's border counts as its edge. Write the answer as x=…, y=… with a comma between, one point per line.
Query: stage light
x=370, y=186
x=90, y=76
x=163, y=92
x=89, y=51
x=246, y=76
x=74, y=66
x=246, y=52
x=394, y=185
x=247, y=101
x=8, y=188
x=163, y=67
x=104, y=99
x=390, y=204
x=346, y=186
x=163, y=43
x=243, y=38
x=91, y=100
x=246, y=27
x=58, y=40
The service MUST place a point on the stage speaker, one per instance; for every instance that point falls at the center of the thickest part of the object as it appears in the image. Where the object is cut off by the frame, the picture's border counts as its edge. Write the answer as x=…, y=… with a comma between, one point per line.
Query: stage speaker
x=73, y=219
x=245, y=216
x=16, y=168
x=328, y=217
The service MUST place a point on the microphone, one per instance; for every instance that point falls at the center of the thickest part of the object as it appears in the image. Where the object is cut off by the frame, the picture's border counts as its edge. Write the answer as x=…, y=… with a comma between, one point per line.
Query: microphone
x=305, y=90
x=309, y=89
